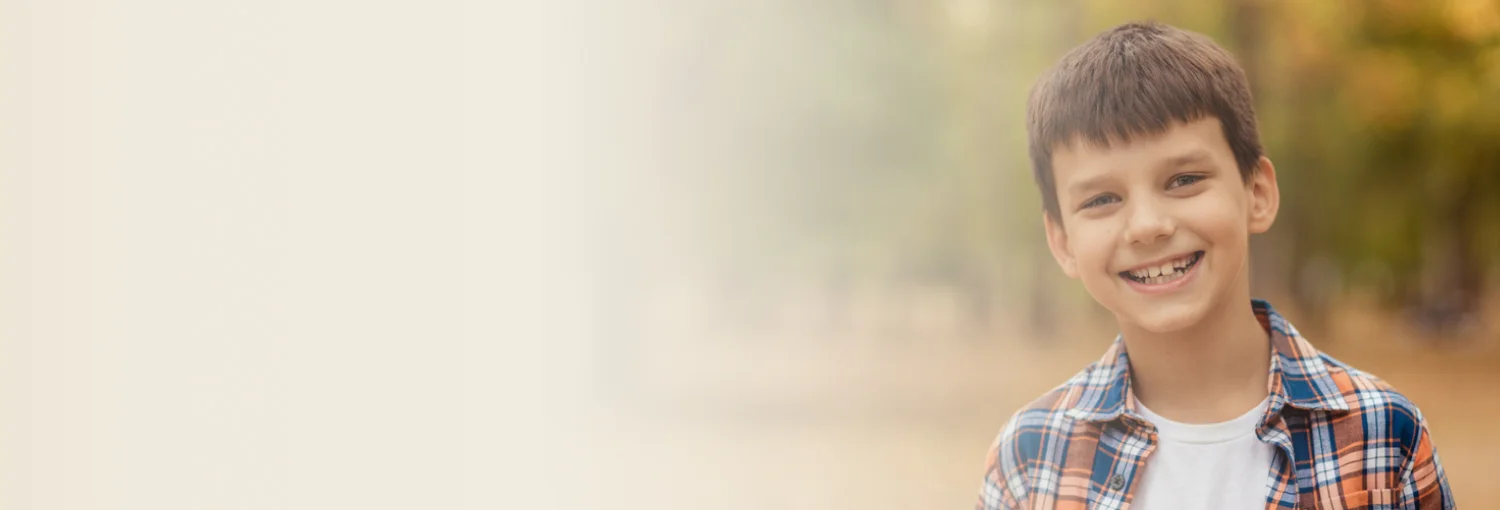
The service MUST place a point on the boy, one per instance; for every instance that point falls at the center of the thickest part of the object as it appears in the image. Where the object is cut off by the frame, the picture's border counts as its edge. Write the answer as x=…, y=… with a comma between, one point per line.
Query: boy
x=1143, y=143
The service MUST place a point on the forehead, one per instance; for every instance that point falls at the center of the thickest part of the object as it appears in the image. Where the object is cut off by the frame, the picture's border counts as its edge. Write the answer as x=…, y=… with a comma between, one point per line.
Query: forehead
x=1200, y=140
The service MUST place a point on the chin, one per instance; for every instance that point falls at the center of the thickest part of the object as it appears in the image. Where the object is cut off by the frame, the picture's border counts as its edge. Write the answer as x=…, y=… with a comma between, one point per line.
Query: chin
x=1166, y=318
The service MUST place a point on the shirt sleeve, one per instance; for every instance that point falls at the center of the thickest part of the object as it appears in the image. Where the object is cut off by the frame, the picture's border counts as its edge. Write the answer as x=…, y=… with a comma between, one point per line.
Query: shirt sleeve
x=1004, y=474
x=1424, y=486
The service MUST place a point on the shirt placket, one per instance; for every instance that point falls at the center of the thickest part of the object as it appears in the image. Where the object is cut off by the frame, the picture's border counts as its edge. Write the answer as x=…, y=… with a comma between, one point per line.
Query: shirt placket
x=1284, y=492
x=1135, y=444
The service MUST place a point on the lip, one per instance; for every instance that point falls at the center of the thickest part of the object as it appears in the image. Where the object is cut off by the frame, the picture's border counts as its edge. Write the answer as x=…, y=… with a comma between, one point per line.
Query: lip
x=1171, y=286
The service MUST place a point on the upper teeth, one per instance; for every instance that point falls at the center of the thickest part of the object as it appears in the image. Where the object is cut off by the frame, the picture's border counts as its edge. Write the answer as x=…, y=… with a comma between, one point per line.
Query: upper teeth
x=1165, y=268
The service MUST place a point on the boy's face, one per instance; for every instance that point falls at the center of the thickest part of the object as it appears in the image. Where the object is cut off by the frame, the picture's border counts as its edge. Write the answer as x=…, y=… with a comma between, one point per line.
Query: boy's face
x=1158, y=228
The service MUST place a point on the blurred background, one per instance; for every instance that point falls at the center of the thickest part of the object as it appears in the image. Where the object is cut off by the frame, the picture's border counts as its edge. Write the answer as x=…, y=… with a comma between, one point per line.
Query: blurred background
x=657, y=254
x=823, y=281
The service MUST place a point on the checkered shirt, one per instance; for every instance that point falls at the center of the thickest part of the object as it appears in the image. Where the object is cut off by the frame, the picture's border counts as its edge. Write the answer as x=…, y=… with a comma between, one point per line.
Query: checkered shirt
x=1344, y=439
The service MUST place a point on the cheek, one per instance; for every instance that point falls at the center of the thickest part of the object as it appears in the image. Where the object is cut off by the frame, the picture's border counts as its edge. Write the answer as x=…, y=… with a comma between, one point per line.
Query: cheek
x=1220, y=218
x=1095, y=251
x=1233, y=228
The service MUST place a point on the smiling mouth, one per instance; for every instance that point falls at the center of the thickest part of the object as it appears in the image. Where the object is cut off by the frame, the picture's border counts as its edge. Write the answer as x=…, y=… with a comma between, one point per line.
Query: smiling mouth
x=1166, y=273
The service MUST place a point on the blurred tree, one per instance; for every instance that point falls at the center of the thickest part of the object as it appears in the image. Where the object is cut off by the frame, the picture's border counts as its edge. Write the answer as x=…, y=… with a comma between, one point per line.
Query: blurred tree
x=1405, y=135
x=853, y=142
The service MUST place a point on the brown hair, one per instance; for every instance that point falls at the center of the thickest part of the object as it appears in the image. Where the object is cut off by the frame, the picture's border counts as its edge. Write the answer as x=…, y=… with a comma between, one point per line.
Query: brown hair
x=1136, y=79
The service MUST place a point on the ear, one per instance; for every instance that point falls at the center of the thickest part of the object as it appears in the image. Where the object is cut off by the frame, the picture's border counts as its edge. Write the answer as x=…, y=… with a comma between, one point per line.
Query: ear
x=1057, y=242
x=1265, y=197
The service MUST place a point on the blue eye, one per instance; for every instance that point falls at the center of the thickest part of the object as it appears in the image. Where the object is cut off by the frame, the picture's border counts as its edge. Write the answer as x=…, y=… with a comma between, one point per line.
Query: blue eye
x=1104, y=199
x=1184, y=180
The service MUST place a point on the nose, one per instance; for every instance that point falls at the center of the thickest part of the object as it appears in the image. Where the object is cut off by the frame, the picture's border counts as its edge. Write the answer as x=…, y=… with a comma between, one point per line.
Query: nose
x=1148, y=223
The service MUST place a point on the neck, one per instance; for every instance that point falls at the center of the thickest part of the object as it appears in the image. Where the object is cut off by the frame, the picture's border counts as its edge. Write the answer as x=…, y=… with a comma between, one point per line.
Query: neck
x=1211, y=372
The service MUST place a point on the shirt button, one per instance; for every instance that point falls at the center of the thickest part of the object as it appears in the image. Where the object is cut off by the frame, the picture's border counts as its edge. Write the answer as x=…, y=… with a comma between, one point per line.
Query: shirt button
x=1116, y=482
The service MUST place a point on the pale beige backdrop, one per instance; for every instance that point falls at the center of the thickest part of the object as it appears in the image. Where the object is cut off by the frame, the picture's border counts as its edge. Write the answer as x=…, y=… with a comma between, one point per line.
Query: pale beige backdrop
x=262, y=255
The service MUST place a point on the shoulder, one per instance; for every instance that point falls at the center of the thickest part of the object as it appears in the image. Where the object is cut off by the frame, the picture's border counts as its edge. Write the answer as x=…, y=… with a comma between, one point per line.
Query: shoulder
x=1393, y=439
x=1384, y=412
x=1041, y=424
x=1035, y=438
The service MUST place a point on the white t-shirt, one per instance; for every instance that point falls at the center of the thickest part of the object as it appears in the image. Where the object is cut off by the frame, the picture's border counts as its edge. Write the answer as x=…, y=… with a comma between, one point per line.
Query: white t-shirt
x=1220, y=465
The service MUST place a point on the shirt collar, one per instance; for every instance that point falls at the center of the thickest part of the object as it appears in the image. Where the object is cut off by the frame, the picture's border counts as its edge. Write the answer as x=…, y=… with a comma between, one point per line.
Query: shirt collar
x=1299, y=375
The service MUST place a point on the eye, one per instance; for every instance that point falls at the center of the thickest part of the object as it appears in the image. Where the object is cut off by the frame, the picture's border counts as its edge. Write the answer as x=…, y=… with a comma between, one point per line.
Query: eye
x=1105, y=199
x=1184, y=180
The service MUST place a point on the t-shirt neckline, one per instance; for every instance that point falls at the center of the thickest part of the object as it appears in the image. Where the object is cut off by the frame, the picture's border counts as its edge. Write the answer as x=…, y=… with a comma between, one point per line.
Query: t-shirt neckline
x=1205, y=433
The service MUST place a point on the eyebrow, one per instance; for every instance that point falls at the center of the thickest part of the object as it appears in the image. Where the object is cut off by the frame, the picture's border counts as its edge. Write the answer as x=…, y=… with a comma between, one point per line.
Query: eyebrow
x=1196, y=156
x=1079, y=187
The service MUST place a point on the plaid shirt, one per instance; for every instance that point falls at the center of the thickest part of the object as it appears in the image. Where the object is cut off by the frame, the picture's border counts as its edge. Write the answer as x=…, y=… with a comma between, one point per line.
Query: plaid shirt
x=1344, y=439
